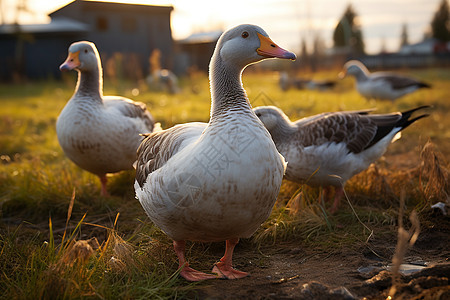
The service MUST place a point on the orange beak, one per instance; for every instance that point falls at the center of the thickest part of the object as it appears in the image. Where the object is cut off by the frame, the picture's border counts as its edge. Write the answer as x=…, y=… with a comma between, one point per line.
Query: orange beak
x=71, y=62
x=270, y=50
x=342, y=74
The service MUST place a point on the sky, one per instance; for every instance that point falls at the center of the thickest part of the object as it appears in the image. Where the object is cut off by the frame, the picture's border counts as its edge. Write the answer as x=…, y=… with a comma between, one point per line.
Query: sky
x=286, y=21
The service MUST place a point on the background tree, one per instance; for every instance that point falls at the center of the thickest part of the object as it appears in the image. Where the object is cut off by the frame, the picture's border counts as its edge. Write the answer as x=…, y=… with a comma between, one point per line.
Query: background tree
x=21, y=7
x=440, y=25
x=383, y=48
x=404, y=39
x=348, y=32
x=2, y=17
x=304, y=50
x=316, y=57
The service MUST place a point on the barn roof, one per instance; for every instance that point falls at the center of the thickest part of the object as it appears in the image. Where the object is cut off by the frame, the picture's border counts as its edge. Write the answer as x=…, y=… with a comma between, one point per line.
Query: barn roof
x=56, y=25
x=202, y=37
x=115, y=6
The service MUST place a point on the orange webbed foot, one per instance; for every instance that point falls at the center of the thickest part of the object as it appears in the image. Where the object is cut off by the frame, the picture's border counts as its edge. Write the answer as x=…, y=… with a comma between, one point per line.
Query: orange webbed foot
x=193, y=275
x=227, y=272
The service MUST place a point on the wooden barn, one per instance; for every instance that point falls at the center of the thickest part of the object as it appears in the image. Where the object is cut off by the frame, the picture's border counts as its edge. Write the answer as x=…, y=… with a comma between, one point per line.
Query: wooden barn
x=133, y=30
x=196, y=50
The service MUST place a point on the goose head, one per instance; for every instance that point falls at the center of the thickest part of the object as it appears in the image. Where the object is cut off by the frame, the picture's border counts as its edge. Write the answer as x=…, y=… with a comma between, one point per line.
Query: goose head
x=247, y=44
x=83, y=56
x=354, y=68
x=272, y=117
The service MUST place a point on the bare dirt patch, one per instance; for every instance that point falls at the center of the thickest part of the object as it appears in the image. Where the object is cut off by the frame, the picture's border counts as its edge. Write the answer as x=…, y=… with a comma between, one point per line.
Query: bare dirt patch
x=293, y=271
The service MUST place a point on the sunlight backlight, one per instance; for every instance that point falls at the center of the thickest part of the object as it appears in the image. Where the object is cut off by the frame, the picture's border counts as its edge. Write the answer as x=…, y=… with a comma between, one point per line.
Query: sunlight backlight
x=287, y=21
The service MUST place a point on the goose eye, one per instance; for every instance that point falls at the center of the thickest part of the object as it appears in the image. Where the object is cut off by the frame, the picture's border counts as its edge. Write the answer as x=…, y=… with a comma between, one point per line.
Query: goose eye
x=244, y=34
x=85, y=51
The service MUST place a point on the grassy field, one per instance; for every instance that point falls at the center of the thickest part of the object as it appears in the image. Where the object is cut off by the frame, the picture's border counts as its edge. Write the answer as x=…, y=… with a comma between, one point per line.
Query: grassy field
x=60, y=239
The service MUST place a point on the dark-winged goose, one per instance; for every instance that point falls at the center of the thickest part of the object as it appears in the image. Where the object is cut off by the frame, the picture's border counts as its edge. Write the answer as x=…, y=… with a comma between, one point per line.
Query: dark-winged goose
x=380, y=85
x=328, y=149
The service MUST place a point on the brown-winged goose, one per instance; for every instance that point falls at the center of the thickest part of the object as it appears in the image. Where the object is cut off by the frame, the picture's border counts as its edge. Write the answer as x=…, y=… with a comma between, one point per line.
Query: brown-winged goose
x=99, y=133
x=380, y=85
x=216, y=181
x=287, y=81
x=328, y=149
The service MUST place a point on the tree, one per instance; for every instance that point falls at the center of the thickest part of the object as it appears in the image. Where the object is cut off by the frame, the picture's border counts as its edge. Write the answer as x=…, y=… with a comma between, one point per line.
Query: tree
x=383, y=48
x=21, y=39
x=404, y=40
x=2, y=17
x=317, y=54
x=440, y=25
x=304, y=51
x=348, y=32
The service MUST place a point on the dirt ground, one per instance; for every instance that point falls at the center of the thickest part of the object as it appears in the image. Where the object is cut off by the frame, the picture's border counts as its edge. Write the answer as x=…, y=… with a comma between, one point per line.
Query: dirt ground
x=291, y=272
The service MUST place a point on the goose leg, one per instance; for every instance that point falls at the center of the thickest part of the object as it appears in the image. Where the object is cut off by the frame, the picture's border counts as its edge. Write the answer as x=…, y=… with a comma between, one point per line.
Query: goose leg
x=103, y=180
x=326, y=192
x=187, y=272
x=338, y=193
x=224, y=267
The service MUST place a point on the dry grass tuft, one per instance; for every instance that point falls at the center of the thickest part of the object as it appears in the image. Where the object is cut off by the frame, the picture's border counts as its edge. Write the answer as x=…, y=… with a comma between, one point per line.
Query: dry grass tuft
x=372, y=187
x=78, y=252
x=406, y=238
x=434, y=179
x=70, y=274
x=122, y=253
x=301, y=217
x=378, y=184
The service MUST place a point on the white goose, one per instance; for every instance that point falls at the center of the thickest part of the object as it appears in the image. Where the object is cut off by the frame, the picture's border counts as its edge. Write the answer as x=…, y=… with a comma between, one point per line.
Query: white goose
x=99, y=133
x=330, y=148
x=216, y=181
x=380, y=85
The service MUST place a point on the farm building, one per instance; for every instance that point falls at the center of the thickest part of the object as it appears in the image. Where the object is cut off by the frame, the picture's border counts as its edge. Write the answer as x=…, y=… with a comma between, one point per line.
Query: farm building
x=134, y=30
x=196, y=50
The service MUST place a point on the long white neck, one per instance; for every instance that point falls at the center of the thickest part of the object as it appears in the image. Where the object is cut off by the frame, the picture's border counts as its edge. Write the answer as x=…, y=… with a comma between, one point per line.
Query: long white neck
x=90, y=83
x=227, y=92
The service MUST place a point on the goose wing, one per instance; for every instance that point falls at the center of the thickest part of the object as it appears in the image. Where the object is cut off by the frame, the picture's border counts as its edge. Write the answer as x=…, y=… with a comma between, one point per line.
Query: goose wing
x=306, y=120
x=357, y=131
x=397, y=81
x=158, y=147
x=131, y=109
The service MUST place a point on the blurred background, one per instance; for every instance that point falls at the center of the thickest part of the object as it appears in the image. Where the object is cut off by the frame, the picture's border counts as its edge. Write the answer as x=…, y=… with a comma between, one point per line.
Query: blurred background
x=139, y=39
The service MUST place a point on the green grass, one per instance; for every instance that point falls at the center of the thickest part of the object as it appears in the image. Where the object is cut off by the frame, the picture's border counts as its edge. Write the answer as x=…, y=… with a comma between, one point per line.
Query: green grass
x=41, y=219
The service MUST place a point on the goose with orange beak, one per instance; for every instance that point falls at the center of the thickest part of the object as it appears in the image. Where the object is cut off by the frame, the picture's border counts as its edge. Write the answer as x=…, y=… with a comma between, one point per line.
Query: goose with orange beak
x=215, y=181
x=99, y=133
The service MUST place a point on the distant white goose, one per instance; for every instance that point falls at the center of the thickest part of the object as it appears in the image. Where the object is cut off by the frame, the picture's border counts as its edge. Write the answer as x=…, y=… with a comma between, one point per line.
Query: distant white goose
x=216, y=181
x=99, y=133
x=330, y=148
x=380, y=85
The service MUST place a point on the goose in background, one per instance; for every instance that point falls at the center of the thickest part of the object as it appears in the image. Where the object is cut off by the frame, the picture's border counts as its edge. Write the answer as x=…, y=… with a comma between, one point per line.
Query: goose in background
x=161, y=79
x=380, y=85
x=100, y=134
x=287, y=81
x=329, y=148
x=215, y=181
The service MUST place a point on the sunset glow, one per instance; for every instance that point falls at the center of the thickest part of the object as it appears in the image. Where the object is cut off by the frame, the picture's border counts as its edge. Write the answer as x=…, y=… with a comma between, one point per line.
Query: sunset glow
x=287, y=21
